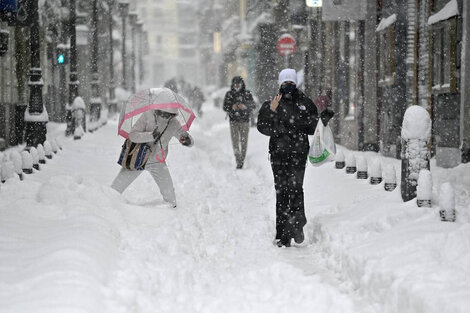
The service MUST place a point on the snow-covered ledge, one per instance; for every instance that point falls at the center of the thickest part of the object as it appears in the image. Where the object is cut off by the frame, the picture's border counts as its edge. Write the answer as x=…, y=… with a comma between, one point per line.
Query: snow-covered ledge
x=41, y=117
x=387, y=22
x=449, y=10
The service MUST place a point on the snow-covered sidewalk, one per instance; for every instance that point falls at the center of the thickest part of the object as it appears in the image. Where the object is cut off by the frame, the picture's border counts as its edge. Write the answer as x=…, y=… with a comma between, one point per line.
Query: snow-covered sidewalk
x=69, y=243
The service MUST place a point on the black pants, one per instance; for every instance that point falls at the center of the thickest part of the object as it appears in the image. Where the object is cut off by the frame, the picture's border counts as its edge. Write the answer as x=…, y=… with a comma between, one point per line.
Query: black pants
x=289, y=174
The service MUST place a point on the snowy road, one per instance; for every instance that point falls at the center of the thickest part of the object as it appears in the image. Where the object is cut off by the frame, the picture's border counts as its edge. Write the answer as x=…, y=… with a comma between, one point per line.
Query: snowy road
x=69, y=243
x=98, y=251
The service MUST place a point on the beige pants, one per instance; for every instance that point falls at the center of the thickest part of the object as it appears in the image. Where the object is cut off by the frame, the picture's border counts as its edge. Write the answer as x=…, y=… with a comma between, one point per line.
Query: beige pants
x=160, y=173
x=239, y=133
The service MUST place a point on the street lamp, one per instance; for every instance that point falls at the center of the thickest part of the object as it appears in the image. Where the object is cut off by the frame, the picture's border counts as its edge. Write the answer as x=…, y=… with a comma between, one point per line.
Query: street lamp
x=133, y=21
x=36, y=116
x=124, y=11
x=95, y=101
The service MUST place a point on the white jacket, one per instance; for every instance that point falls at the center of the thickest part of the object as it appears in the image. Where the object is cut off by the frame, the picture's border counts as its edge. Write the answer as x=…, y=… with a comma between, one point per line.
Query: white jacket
x=142, y=132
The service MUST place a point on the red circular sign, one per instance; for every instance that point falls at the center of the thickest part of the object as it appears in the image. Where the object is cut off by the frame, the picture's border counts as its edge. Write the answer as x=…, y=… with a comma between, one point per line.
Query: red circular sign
x=286, y=44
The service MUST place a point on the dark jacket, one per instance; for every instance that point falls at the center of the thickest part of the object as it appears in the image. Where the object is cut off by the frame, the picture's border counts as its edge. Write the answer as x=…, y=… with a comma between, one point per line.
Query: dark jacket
x=242, y=96
x=289, y=126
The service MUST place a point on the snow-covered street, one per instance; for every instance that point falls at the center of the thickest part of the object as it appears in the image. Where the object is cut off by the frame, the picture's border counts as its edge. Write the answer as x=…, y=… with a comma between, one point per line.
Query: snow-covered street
x=69, y=243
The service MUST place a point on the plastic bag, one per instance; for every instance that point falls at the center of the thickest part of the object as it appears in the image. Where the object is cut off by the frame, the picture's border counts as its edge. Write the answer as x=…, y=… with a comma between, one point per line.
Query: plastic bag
x=323, y=148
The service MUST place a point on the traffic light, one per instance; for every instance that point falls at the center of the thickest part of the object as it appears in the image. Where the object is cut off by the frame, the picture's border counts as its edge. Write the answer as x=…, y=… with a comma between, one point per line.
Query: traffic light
x=62, y=56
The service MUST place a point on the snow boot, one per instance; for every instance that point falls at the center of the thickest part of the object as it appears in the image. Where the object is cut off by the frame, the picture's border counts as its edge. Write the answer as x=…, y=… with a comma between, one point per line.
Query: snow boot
x=299, y=236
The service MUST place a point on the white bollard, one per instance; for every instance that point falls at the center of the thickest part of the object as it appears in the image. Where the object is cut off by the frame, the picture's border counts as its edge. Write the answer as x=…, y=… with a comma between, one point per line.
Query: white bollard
x=78, y=133
x=447, y=203
x=59, y=143
x=361, y=168
x=390, y=178
x=376, y=172
x=42, y=154
x=55, y=147
x=35, y=156
x=27, y=162
x=339, y=160
x=351, y=164
x=15, y=157
x=48, y=149
x=424, y=188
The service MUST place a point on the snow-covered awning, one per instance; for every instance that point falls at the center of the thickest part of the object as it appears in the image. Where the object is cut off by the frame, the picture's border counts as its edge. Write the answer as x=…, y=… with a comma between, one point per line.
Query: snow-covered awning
x=386, y=22
x=449, y=10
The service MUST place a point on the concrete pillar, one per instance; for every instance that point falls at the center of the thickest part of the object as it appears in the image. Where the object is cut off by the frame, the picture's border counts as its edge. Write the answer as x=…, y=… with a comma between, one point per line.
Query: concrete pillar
x=465, y=89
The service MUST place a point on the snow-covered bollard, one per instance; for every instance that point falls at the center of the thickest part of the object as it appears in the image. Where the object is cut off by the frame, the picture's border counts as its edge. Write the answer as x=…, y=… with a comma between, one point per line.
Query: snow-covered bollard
x=376, y=172
x=6, y=171
x=339, y=160
x=78, y=133
x=447, y=203
x=48, y=149
x=15, y=157
x=390, y=178
x=424, y=189
x=54, y=146
x=27, y=162
x=35, y=156
x=415, y=135
x=351, y=164
x=42, y=154
x=59, y=143
x=361, y=163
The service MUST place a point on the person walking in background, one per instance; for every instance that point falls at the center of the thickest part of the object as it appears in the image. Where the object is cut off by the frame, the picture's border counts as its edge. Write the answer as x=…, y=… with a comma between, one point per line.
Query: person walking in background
x=288, y=119
x=198, y=99
x=239, y=105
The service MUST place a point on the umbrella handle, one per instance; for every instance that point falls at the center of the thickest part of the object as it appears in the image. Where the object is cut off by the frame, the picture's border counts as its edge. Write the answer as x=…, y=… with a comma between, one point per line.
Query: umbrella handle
x=162, y=160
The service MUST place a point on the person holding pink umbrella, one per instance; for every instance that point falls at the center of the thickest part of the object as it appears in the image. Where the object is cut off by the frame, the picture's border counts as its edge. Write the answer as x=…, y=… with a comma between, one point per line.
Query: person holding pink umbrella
x=155, y=117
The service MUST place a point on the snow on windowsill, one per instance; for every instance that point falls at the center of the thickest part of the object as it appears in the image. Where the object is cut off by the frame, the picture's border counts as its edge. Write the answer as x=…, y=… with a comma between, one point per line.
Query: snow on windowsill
x=386, y=23
x=449, y=10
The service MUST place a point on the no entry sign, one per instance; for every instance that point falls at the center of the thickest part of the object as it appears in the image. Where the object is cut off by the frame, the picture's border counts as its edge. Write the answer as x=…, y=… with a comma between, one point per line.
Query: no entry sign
x=286, y=44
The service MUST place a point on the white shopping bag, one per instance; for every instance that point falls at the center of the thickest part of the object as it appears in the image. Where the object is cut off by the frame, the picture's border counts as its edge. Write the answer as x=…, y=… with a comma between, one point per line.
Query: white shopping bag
x=323, y=147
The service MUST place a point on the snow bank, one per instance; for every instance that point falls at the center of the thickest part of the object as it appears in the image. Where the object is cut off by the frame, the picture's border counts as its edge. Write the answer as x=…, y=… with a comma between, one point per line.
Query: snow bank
x=58, y=244
x=397, y=254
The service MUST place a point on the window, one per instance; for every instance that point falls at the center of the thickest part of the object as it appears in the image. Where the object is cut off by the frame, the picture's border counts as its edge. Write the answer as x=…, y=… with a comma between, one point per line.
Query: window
x=444, y=56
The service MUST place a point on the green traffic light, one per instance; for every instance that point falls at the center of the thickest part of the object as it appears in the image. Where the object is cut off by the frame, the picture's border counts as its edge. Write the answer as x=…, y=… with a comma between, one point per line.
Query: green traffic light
x=61, y=59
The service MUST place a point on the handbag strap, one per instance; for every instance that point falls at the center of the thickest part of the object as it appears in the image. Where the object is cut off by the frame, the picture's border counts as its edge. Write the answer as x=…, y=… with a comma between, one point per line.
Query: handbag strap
x=161, y=134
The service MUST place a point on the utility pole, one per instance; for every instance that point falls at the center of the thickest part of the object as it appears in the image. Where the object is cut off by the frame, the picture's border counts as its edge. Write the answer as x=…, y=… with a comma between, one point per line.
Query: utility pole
x=95, y=101
x=112, y=84
x=36, y=116
x=124, y=11
x=73, y=82
x=133, y=21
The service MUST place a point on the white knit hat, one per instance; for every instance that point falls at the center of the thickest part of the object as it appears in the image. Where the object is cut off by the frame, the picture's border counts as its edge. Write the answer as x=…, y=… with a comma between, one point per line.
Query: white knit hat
x=287, y=75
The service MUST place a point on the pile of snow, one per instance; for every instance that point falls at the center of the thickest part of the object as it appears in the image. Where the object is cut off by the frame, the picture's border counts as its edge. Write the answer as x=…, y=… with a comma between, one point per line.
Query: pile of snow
x=449, y=10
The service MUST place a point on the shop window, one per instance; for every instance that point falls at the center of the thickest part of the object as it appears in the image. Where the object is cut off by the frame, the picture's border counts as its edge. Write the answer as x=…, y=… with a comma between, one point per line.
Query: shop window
x=444, y=56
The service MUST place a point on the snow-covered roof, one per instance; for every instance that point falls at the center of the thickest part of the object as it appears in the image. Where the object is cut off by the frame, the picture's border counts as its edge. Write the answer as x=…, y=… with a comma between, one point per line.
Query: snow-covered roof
x=386, y=22
x=449, y=10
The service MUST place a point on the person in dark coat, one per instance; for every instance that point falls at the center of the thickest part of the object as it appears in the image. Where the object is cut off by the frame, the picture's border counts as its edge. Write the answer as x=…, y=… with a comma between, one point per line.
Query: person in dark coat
x=288, y=119
x=239, y=104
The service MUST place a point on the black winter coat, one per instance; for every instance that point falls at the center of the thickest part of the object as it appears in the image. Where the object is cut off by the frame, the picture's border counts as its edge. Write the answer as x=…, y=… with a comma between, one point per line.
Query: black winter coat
x=239, y=97
x=289, y=126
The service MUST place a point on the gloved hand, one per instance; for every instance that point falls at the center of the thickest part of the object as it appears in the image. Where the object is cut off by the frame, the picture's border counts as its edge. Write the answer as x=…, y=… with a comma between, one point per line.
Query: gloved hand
x=326, y=115
x=156, y=134
x=185, y=140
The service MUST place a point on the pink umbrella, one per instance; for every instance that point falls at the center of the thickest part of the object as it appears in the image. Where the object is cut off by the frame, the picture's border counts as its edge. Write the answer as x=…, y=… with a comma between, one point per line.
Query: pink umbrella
x=162, y=99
